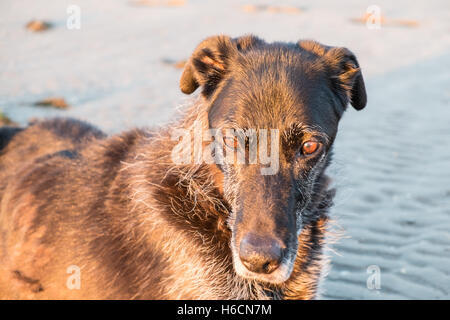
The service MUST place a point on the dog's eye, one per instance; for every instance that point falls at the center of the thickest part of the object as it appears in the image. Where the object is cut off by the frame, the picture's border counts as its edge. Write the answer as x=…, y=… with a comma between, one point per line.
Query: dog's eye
x=310, y=147
x=230, y=142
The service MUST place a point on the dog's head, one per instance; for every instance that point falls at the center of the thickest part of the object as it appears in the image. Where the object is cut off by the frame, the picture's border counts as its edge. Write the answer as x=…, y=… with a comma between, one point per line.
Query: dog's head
x=297, y=92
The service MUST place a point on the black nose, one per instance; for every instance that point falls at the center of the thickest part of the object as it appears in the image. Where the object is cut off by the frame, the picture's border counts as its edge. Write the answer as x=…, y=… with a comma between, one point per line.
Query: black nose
x=260, y=254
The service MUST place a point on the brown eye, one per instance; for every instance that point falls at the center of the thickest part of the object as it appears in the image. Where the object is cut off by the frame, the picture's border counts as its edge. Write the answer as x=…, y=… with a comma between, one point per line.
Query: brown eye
x=309, y=147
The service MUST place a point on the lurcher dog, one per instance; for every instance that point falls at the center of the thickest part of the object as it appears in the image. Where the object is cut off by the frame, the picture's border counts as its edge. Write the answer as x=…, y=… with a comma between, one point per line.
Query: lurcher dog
x=86, y=216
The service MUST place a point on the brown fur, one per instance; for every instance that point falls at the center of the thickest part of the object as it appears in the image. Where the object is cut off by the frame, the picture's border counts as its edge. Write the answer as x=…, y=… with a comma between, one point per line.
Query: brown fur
x=140, y=226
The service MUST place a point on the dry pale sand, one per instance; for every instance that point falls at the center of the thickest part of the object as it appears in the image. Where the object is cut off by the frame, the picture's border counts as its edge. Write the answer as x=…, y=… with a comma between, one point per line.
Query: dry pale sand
x=392, y=160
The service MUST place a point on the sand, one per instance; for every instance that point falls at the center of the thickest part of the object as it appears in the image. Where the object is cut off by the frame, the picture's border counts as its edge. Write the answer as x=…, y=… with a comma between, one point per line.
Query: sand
x=392, y=160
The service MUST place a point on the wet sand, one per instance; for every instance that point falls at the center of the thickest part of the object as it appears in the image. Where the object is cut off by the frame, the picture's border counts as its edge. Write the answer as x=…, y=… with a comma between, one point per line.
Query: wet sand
x=392, y=160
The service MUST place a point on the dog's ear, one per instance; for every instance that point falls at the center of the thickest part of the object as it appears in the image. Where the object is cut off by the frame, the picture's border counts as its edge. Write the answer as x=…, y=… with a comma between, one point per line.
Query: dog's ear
x=347, y=76
x=208, y=65
x=211, y=61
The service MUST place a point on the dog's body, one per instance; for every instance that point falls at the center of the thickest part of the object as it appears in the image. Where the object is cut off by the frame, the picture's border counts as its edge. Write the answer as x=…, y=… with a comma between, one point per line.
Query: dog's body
x=117, y=212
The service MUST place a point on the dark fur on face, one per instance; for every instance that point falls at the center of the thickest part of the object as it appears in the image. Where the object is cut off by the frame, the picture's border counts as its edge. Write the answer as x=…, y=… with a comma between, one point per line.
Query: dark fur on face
x=301, y=89
x=140, y=226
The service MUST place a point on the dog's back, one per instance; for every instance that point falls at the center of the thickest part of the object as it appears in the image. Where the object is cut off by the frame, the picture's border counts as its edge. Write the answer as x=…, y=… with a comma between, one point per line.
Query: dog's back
x=18, y=146
x=35, y=176
x=54, y=179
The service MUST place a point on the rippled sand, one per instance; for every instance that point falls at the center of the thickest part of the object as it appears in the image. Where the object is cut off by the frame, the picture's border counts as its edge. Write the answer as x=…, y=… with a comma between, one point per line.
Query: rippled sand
x=392, y=160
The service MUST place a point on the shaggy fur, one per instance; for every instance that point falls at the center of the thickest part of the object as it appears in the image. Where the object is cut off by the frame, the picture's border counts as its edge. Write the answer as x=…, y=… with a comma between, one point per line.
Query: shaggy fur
x=141, y=227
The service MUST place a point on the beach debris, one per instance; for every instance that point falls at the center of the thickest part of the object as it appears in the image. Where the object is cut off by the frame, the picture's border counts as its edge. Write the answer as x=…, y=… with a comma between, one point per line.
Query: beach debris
x=5, y=120
x=158, y=3
x=272, y=9
x=176, y=64
x=38, y=25
x=55, y=102
x=387, y=22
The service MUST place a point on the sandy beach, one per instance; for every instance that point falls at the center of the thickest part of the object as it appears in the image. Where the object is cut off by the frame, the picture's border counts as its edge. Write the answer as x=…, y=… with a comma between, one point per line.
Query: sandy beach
x=392, y=160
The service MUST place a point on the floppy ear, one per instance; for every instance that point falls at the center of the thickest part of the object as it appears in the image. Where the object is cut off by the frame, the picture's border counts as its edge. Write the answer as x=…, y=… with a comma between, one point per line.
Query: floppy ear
x=347, y=76
x=211, y=60
x=208, y=65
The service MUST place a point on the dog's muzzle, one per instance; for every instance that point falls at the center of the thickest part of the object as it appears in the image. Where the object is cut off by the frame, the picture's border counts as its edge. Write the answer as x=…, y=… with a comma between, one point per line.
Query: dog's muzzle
x=260, y=254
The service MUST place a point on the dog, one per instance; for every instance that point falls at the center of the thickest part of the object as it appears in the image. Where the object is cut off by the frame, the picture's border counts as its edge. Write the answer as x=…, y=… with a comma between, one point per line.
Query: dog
x=87, y=216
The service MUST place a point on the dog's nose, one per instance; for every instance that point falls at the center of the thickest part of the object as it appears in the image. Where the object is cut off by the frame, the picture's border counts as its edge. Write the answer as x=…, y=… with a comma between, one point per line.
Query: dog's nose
x=260, y=254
